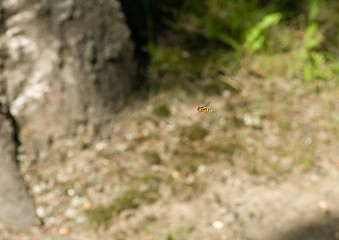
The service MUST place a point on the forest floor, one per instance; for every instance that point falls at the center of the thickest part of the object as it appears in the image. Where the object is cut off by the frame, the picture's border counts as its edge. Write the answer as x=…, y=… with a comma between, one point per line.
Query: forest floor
x=263, y=165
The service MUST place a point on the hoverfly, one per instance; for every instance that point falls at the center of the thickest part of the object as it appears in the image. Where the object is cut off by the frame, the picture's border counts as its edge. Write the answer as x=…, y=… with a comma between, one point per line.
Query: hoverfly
x=204, y=109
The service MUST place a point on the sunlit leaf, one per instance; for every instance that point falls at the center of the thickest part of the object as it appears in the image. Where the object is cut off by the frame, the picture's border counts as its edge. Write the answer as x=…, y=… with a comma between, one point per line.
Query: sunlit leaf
x=255, y=36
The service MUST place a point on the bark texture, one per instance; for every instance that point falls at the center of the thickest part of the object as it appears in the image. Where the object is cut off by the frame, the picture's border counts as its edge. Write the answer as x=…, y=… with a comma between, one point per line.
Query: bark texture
x=17, y=207
x=64, y=64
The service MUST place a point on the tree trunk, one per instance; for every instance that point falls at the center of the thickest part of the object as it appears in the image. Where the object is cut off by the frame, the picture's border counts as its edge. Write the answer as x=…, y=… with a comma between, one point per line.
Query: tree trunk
x=65, y=64
x=17, y=207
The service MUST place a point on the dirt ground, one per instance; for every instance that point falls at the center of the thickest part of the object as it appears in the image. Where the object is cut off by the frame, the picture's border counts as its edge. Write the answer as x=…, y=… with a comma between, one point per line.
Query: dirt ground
x=263, y=165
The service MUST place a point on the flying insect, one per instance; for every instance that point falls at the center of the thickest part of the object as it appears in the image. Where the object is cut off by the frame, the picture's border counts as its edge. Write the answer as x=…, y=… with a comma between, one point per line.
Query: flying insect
x=204, y=109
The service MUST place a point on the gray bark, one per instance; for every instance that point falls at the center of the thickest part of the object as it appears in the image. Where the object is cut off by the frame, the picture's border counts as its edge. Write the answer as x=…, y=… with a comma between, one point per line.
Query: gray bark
x=65, y=65
x=17, y=207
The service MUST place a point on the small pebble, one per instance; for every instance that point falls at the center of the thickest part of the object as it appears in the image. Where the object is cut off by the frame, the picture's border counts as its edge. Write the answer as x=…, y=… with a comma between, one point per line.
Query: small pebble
x=129, y=136
x=201, y=169
x=70, y=192
x=100, y=146
x=314, y=178
x=121, y=147
x=63, y=231
x=87, y=205
x=40, y=212
x=176, y=174
x=238, y=202
x=70, y=154
x=323, y=206
x=218, y=225
x=190, y=178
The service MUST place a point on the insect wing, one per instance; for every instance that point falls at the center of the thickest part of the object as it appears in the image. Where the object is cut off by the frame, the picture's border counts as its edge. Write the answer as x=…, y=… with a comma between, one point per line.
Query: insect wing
x=205, y=109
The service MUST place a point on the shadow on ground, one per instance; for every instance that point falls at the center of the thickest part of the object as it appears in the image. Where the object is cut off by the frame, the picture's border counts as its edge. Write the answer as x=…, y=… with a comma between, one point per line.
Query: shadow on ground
x=325, y=229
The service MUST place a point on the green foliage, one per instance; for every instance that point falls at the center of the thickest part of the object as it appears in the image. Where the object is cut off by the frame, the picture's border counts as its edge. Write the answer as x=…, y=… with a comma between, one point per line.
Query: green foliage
x=180, y=65
x=315, y=62
x=204, y=31
x=170, y=237
x=312, y=59
x=231, y=23
x=314, y=9
x=162, y=110
x=102, y=215
x=151, y=157
x=311, y=40
x=255, y=36
x=219, y=20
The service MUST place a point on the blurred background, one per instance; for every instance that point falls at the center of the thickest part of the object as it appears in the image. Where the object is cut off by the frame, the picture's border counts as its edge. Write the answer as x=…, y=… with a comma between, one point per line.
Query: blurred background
x=100, y=137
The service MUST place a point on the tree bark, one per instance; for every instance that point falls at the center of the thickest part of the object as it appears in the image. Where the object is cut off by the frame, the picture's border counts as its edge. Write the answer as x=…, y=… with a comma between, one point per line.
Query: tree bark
x=65, y=64
x=17, y=208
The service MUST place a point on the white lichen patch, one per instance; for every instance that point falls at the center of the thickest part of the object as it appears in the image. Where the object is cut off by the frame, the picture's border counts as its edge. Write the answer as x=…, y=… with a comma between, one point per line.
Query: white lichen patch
x=33, y=92
x=24, y=16
x=37, y=85
x=12, y=4
x=19, y=46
